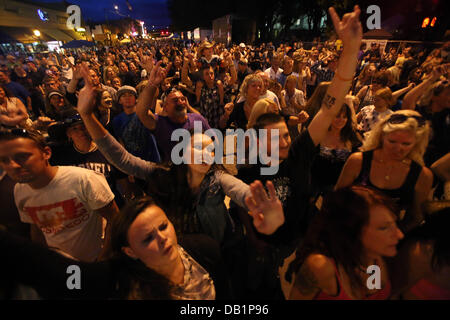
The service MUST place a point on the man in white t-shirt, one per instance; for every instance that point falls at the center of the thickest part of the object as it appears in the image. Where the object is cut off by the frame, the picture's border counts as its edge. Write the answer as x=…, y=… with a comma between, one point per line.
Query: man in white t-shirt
x=64, y=205
x=274, y=72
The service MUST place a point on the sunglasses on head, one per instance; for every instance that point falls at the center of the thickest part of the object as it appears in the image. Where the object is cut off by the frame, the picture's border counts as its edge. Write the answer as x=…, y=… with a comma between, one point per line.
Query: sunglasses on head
x=400, y=118
x=17, y=132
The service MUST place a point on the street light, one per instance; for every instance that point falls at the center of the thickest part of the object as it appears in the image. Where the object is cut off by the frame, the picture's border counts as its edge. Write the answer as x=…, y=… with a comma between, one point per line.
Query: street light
x=116, y=7
x=37, y=33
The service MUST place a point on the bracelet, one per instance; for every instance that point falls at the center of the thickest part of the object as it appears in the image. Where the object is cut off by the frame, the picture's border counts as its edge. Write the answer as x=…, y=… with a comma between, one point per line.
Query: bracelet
x=341, y=78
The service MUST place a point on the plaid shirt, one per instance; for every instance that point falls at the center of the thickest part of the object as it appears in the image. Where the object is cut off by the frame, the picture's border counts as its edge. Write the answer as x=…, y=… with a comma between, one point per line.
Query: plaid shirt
x=322, y=74
x=210, y=106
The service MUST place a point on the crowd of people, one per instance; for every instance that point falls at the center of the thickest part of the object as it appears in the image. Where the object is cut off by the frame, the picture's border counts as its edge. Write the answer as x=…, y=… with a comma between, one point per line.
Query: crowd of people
x=88, y=176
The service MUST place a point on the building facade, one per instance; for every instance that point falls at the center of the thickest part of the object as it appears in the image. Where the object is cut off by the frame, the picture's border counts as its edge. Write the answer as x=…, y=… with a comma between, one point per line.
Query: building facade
x=24, y=23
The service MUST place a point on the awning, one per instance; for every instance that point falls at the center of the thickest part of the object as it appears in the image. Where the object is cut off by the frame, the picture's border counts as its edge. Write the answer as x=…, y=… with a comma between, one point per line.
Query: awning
x=57, y=34
x=21, y=34
x=377, y=34
x=73, y=34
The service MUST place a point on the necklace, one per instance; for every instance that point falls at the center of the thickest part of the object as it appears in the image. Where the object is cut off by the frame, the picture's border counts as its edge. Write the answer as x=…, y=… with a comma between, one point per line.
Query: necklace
x=387, y=176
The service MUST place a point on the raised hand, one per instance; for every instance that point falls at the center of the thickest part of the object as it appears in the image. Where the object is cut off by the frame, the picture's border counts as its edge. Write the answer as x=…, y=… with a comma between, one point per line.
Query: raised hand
x=229, y=108
x=146, y=63
x=157, y=75
x=77, y=72
x=86, y=97
x=440, y=70
x=267, y=211
x=303, y=116
x=349, y=29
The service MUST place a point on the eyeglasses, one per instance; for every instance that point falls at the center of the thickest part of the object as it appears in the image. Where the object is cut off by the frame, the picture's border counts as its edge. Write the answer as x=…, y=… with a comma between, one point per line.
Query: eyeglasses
x=400, y=118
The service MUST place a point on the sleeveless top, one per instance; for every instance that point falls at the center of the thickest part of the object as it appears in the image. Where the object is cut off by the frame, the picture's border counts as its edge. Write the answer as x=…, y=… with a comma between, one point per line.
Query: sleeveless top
x=327, y=167
x=11, y=107
x=404, y=195
x=382, y=294
x=425, y=290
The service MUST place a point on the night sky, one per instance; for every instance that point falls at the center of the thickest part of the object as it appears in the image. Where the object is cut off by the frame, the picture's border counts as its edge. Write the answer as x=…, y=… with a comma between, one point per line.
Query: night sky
x=153, y=12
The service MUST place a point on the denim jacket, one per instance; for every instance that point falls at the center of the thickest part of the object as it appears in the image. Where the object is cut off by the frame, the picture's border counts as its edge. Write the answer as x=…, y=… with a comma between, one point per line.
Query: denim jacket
x=210, y=207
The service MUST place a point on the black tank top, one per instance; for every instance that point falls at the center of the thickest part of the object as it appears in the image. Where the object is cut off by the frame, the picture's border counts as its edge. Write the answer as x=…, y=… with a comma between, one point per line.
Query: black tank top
x=404, y=195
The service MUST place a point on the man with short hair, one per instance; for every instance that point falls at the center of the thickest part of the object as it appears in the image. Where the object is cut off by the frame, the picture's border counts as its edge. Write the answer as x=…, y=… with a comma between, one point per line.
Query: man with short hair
x=242, y=71
x=64, y=205
x=274, y=72
x=295, y=158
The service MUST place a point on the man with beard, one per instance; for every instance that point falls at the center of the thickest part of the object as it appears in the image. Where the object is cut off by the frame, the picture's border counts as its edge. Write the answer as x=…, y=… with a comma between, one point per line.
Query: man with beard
x=174, y=116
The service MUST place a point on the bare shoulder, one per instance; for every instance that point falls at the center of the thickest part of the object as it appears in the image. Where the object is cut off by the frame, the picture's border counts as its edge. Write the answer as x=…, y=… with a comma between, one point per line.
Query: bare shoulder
x=355, y=158
x=351, y=170
x=425, y=179
x=354, y=163
x=318, y=268
x=321, y=265
x=316, y=273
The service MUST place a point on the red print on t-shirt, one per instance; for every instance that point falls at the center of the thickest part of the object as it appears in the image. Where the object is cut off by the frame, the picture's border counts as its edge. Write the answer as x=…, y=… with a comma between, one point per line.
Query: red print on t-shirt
x=52, y=216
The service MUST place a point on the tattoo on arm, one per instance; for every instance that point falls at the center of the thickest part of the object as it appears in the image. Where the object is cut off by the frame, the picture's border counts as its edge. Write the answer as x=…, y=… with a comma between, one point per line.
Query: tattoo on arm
x=329, y=101
x=306, y=281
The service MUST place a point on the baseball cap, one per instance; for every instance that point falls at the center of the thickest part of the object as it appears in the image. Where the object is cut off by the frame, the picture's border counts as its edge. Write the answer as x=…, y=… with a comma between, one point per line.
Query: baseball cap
x=124, y=89
x=55, y=93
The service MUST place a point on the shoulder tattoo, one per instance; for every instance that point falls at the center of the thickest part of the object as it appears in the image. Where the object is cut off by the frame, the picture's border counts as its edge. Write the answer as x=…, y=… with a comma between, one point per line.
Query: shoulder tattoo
x=329, y=101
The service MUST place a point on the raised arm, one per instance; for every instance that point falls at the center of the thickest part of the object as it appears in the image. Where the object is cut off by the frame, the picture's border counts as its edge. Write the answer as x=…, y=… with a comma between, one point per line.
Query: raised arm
x=147, y=96
x=350, y=31
x=113, y=151
x=184, y=73
x=72, y=86
x=411, y=98
x=398, y=93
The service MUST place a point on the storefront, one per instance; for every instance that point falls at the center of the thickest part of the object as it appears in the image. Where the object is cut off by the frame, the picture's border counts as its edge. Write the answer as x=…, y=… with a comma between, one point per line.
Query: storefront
x=33, y=26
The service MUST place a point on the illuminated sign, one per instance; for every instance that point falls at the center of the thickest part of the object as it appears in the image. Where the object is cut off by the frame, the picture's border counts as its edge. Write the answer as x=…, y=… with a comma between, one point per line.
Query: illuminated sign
x=42, y=15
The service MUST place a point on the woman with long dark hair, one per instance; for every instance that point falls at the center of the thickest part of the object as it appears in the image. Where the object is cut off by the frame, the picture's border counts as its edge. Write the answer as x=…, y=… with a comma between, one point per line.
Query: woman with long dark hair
x=355, y=229
x=341, y=140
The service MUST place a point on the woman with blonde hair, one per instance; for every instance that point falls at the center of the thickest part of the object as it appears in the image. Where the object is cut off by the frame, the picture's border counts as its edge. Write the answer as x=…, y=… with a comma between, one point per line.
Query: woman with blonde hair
x=392, y=162
x=238, y=114
x=261, y=107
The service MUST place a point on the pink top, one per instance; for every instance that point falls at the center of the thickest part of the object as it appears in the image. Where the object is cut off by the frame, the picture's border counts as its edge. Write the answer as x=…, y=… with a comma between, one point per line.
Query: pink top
x=382, y=294
x=425, y=290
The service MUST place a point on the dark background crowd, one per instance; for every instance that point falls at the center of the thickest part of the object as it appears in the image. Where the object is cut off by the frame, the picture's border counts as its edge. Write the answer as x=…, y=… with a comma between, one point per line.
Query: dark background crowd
x=364, y=148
